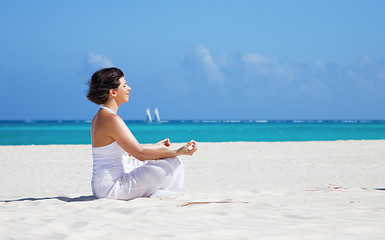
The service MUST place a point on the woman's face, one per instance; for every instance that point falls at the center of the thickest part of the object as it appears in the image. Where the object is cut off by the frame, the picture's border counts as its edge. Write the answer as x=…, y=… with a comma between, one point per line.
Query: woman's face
x=123, y=90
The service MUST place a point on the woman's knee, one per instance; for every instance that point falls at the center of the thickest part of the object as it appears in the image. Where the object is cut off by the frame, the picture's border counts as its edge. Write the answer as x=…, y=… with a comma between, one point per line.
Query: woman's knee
x=175, y=162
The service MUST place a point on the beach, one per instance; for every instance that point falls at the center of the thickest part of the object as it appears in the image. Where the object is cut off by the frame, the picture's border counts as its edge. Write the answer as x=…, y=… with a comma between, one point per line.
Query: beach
x=233, y=190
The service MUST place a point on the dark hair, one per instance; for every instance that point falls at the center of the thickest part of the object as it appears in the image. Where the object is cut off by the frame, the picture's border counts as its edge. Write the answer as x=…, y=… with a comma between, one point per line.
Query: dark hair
x=101, y=83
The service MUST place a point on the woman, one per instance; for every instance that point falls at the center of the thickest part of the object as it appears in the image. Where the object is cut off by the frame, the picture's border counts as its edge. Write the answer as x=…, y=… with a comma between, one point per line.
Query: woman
x=124, y=169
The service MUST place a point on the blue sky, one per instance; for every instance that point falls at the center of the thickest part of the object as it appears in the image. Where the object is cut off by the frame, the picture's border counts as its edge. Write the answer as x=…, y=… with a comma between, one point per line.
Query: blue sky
x=196, y=59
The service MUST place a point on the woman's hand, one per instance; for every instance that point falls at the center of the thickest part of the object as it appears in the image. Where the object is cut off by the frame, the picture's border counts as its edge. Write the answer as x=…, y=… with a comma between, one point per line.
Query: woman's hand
x=188, y=149
x=164, y=142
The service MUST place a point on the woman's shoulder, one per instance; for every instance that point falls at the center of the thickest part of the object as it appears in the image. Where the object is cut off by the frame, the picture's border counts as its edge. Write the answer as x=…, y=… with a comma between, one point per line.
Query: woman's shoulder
x=106, y=118
x=102, y=129
x=112, y=120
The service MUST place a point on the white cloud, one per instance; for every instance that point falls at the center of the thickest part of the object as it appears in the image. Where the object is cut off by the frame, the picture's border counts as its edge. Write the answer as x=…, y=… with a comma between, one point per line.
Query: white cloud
x=367, y=74
x=95, y=61
x=321, y=65
x=253, y=59
x=252, y=72
x=208, y=64
x=259, y=65
x=366, y=61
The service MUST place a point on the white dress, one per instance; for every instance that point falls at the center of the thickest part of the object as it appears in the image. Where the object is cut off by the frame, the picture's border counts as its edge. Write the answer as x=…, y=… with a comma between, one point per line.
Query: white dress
x=118, y=175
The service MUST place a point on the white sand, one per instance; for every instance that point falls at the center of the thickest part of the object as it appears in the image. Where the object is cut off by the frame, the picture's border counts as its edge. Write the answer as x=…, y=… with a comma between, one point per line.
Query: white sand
x=292, y=190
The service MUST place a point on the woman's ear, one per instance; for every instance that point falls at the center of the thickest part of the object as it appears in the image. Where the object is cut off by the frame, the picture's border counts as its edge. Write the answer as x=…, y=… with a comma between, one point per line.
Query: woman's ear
x=112, y=92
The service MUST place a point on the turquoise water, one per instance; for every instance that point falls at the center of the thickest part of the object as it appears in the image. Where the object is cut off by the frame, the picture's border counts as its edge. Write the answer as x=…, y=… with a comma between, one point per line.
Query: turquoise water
x=78, y=132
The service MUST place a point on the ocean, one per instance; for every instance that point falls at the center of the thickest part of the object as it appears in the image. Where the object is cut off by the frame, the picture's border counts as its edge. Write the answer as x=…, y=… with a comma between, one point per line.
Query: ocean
x=78, y=132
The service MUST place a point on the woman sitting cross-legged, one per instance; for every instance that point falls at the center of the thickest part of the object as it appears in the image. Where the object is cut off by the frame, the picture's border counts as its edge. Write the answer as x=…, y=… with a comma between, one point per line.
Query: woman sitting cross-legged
x=123, y=168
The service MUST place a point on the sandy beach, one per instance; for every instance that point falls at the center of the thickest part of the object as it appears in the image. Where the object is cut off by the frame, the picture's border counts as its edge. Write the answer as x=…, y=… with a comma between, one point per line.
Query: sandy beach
x=255, y=190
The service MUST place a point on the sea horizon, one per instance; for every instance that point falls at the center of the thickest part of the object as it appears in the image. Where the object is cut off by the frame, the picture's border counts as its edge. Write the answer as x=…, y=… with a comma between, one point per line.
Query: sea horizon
x=45, y=132
x=299, y=120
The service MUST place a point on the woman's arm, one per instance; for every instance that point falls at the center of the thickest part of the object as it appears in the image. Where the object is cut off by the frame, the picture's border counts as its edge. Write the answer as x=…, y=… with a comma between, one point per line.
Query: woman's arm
x=123, y=136
x=164, y=144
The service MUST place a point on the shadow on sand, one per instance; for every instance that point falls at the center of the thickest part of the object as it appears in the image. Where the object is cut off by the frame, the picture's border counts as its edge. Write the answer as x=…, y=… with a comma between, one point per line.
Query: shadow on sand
x=64, y=199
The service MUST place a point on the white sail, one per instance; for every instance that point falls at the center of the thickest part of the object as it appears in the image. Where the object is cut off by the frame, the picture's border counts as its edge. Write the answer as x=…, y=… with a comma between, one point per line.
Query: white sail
x=156, y=115
x=148, y=114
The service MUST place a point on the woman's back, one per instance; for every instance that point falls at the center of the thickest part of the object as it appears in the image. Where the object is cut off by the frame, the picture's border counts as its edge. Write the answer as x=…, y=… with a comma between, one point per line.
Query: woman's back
x=99, y=128
x=108, y=166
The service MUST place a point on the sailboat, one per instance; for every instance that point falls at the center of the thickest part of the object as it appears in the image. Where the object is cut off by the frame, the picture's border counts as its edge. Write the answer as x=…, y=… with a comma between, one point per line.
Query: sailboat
x=156, y=115
x=148, y=114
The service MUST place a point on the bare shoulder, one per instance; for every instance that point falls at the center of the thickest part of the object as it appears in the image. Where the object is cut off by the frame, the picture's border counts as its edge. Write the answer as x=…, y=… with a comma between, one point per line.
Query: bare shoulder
x=105, y=127
x=108, y=120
